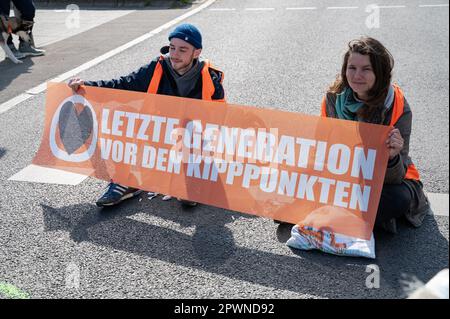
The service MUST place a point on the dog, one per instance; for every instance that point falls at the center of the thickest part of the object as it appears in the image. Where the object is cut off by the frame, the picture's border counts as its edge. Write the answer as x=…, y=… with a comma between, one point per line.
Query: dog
x=10, y=25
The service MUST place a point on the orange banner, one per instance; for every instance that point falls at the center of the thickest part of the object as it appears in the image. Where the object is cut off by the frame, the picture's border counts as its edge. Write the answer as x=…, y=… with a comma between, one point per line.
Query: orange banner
x=308, y=170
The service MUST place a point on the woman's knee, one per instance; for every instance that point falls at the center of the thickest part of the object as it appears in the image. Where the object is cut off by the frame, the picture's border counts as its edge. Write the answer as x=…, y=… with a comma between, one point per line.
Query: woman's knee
x=395, y=201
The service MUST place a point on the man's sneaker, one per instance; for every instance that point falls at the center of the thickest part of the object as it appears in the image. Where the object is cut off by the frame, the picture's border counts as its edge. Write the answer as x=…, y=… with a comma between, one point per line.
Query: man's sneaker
x=29, y=50
x=187, y=203
x=19, y=55
x=115, y=194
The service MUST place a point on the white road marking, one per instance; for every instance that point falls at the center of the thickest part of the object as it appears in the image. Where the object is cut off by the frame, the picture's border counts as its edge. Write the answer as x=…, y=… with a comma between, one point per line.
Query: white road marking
x=439, y=203
x=13, y=102
x=302, y=8
x=259, y=9
x=341, y=8
x=38, y=174
x=433, y=5
x=62, y=77
x=391, y=7
x=222, y=9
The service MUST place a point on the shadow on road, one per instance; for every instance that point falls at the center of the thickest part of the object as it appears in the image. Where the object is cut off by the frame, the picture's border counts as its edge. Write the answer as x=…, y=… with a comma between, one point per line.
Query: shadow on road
x=212, y=248
x=9, y=71
x=2, y=152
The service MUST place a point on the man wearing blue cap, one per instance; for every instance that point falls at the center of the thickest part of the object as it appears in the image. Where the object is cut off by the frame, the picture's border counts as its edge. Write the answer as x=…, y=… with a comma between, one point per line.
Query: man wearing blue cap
x=178, y=71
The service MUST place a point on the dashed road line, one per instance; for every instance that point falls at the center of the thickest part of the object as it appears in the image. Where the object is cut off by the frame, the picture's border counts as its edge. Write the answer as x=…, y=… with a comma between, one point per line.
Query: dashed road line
x=391, y=7
x=222, y=9
x=332, y=8
x=302, y=8
x=259, y=9
x=433, y=5
x=341, y=8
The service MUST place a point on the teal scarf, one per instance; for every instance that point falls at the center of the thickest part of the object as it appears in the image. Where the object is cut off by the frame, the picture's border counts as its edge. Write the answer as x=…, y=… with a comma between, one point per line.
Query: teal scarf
x=346, y=105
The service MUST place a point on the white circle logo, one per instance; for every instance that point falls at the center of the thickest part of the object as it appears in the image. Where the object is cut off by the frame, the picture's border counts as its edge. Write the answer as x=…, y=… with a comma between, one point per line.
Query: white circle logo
x=85, y=125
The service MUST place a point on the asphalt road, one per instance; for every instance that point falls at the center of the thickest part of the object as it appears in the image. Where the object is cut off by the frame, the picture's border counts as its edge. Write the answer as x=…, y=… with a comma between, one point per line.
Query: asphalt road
x=281, y=58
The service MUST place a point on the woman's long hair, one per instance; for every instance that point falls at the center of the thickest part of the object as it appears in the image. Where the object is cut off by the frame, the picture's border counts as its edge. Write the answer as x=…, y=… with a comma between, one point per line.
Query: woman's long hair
x=382, y=64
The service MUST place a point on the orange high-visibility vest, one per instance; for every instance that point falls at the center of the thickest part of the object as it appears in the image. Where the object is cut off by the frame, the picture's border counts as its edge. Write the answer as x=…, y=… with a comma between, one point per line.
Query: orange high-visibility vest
x=208, y=88
x=397, y=111
x=399, y=106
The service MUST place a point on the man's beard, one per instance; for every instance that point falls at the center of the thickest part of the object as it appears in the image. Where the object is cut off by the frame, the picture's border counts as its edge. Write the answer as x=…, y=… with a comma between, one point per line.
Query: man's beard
x=184, y=66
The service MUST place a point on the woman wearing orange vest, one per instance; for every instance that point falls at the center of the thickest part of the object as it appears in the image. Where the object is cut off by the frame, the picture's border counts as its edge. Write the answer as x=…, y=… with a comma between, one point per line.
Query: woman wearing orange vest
x=178, y=71
x=363, y=92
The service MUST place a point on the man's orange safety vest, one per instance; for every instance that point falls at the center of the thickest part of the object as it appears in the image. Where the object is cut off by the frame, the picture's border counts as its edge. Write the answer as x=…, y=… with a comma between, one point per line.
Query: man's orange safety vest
x=208, y=88
x=397, y=111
